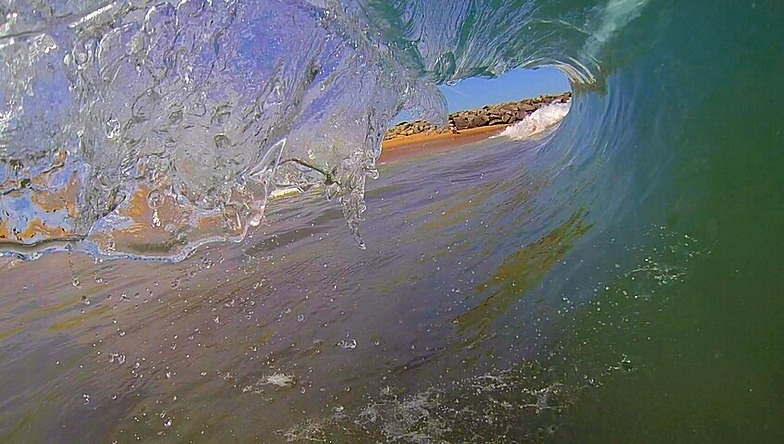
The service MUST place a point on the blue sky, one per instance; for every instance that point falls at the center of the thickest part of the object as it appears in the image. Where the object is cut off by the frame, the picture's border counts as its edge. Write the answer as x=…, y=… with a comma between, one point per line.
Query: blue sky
x=517, y=84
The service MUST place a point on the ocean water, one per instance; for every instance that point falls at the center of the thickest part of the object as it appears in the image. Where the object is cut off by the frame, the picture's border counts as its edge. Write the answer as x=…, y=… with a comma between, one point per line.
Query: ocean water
x=616, y=279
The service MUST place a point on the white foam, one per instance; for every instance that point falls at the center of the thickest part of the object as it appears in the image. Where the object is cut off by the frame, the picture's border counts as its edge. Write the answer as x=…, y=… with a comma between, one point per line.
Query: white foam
x=539, y=121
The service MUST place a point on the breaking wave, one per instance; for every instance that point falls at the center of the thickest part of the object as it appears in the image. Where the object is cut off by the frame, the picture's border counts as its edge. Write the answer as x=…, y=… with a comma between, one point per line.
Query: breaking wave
x=501, y=281
x=541, y=120
x=145, y=130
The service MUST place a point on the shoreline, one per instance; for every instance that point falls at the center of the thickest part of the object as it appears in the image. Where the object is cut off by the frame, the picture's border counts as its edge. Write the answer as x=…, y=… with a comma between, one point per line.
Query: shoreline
x=419, y=137
x=406, y=147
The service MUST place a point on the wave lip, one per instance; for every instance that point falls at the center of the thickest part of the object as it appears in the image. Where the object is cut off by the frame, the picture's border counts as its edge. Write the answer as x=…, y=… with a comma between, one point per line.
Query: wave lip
x=150, y=128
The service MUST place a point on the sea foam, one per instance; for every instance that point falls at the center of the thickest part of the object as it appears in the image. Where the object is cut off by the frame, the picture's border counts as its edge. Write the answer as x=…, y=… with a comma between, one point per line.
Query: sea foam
x=537, y=122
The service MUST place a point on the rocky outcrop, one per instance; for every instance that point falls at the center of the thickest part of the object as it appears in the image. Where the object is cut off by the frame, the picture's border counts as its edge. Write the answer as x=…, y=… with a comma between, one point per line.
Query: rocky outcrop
x=502, y=114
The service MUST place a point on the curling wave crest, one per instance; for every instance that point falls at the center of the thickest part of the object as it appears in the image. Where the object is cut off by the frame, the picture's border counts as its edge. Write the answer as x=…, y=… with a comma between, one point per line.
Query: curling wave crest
x=147, y=129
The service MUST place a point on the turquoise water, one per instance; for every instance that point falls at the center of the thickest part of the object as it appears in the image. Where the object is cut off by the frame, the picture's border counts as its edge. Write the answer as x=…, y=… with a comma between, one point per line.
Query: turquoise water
x=618, y=280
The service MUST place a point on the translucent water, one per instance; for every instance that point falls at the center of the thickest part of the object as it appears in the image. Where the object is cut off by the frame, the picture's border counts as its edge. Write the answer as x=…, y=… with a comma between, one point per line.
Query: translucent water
x=617, y=279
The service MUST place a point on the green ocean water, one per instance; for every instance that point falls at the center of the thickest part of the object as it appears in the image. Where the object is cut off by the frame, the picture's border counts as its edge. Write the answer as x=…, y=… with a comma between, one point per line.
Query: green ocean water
x=617, y=280
x=708, y=115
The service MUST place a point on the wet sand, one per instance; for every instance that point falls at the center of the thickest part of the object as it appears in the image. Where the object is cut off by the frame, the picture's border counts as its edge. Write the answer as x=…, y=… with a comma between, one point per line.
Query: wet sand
x=401, y=148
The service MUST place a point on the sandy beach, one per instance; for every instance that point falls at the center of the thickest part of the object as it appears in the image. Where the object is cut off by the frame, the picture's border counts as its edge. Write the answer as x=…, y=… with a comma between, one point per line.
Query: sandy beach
x=404, y=147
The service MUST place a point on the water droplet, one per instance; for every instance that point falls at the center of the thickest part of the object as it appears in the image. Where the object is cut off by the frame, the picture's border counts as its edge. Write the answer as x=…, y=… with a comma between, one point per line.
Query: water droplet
x=154, y=198
x=222, y=142
x=112, y=128
x=80, y=58
x=222, y=117
x=348, y=344
x=275, y=96
x=175, y=117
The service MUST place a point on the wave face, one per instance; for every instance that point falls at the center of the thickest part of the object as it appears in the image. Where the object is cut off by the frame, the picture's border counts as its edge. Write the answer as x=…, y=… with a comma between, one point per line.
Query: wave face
x=177, y=120
x=642, y=236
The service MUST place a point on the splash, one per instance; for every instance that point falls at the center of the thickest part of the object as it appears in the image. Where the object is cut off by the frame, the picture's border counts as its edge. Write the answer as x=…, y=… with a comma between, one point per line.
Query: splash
x=540, y=121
